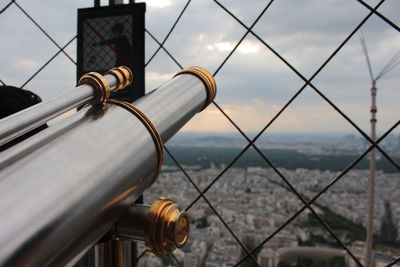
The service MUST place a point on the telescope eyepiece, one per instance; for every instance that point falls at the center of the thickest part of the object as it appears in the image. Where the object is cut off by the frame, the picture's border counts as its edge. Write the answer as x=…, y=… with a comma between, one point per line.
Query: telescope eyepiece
x=167, y=229
x=162, y=226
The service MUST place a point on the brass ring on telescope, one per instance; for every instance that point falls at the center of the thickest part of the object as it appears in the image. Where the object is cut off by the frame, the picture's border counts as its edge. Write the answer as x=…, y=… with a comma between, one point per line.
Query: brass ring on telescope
x=207, y=79
x=128, y=74
x=97, y=81
x=150, y=127
x=123, y=75
x=167, y=228
x=119, y=77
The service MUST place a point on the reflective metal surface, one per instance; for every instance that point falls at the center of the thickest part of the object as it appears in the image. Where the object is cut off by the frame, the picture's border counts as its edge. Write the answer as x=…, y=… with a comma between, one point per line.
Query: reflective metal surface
x=73, y=188
x=170, y=110
x=112, y=253
x=167, y=227
x=133, y=224
x=28, y=119
x=63, y=189
x=163, y=227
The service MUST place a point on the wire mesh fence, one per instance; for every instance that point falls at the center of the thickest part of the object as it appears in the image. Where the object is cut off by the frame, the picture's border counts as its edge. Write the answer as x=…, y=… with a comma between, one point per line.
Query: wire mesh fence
x=291, y=210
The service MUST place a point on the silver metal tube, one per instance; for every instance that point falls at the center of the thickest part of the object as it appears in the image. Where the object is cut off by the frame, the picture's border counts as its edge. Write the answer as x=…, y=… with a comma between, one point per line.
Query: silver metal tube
x=162, y=227
x=28, y=119
x=63, y=189
x=169, y=117
x=132, y=225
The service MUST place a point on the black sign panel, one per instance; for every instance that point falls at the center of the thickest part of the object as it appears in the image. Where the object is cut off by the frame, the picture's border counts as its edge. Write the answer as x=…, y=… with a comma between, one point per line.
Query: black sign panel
x=113, y=36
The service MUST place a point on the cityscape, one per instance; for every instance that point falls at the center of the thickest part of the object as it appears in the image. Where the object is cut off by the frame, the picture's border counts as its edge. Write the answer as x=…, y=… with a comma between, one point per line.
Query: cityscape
x=312, y=81
x=254, y=201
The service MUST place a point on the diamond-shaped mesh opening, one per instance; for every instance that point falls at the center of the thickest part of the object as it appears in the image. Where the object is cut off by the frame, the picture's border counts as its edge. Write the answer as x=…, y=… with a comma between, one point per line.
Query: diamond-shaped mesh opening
x=307, y=159
x=254, y=94
x=288, y=33
x=345, y=207
x=344, y=80
x=195, y=164
x=389, y=11
x=250, y=204
x=159, y=70
x=215, y=244
x=206, y=155
x=347, y=219
x=303, y=242
x=246, y=15
x=161, y=15
x=20, y=58
x=287, y=23
x=171, y=177
x=50, y=82
x=211, y=31
x=51, y=16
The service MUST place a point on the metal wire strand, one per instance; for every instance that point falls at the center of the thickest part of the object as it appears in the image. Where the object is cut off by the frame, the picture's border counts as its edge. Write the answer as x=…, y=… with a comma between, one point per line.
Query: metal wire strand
x=47, y=63
x=243, y=37
x=308, y=81
x=251, y=142
x=327, y=187
x=169, y=33
x=302, y=199
x=270, y=163
x=44, y=32
x=6, y=7
x=388, y=21
x=176, y=260
x=392, y=263
x=210, y=205
x=141, y=255
x=163, y=48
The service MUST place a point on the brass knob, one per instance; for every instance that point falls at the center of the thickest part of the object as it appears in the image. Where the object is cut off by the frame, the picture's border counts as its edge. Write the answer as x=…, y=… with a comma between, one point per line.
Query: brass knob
x=167, y=228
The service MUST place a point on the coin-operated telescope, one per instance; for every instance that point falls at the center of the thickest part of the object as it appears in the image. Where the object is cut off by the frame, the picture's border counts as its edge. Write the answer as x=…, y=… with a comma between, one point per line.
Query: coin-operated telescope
x=64, y=188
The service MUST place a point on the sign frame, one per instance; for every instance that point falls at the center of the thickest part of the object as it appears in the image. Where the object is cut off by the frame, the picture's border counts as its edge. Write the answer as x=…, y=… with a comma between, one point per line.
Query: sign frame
x=135, y=58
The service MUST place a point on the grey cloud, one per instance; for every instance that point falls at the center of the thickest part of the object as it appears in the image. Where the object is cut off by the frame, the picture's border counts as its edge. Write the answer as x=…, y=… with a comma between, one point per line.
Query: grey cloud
x=160, y=20
x=24, y=48
x=58, y=18
x=305, y=32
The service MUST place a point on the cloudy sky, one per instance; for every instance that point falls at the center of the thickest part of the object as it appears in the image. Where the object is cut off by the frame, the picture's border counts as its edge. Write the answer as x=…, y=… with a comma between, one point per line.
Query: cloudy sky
x=254, y=84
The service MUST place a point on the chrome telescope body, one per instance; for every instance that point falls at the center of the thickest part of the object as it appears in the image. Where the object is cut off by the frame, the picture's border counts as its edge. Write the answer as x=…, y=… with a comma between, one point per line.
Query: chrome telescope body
x=62, y=189
x=16, y=125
